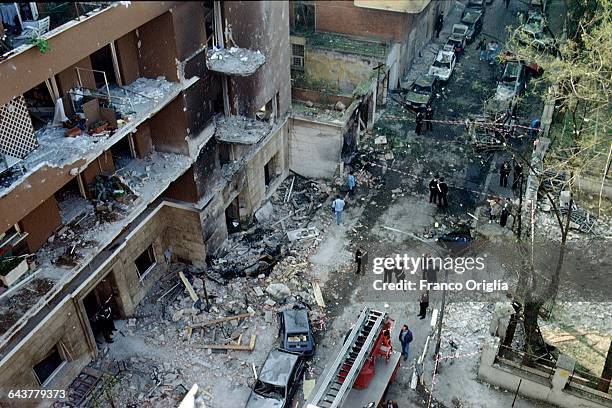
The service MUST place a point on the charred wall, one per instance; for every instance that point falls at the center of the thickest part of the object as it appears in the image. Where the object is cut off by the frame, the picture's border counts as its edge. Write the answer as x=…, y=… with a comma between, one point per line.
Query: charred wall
x=263, y=26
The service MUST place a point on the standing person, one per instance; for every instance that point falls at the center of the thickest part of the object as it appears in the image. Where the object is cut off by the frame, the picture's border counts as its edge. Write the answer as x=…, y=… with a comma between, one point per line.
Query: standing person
x=405, y=337
x=338, y=207
x=439, y=24
x=419, y=123
x=351, y=184
x=442, y=192
x=507, y=3
x=505, y=212
x=495, y=210
x=358, y=260
x=518, y=174
x=433, y=189
x=429, y=118
x=482, y=47
x=534, y=127
x=504, y=171
x=423, y=304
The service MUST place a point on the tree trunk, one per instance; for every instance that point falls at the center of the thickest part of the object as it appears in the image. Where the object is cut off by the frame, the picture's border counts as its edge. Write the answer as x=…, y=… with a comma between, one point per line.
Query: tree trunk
x=606, y=374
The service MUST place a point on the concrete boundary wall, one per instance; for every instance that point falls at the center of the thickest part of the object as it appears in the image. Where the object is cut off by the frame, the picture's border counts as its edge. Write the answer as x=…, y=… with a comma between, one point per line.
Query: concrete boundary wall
x=537, y=385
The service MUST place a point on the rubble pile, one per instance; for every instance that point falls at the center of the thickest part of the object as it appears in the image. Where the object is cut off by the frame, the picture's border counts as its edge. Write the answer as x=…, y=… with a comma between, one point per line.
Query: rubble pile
x=278, y=227
x=235, y=61
x=240, y=129
x=197, y=332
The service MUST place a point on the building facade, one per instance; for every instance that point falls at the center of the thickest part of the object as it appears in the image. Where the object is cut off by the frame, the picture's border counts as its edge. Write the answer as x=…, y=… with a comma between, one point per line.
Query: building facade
x=126, y=145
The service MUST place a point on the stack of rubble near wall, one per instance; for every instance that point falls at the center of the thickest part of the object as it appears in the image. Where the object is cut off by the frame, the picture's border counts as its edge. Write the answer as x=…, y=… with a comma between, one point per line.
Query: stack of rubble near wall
x=241, y=303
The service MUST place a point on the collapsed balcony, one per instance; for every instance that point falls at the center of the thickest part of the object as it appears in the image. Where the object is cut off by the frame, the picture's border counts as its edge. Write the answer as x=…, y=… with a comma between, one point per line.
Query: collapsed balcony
x=86, y=135
x=88, y=227
x=234, y=61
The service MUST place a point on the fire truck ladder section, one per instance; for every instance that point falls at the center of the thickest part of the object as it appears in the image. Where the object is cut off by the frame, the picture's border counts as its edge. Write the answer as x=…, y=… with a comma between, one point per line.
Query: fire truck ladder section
x=342, y=374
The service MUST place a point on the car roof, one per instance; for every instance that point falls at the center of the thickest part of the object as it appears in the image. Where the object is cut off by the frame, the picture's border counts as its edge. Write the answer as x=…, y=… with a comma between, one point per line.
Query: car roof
x=471, y=16
x=425, y=80
x=296, y=320
x=512, y=68
x=278, y=367
x=444, y=56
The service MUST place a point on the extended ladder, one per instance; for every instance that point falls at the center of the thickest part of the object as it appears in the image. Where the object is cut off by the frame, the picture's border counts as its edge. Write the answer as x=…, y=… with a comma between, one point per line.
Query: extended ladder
x=342, y=374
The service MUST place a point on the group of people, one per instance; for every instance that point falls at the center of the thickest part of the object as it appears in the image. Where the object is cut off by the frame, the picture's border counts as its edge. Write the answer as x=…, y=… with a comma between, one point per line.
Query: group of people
x=438, y=191
x=488, y=51
x=424, y=116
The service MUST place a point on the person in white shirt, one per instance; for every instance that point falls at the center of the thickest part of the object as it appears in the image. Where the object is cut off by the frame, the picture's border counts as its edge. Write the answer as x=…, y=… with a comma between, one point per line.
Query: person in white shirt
x=338, y=207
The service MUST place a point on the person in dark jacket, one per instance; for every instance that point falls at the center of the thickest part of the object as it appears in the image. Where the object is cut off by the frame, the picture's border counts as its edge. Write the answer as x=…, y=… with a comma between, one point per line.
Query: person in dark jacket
x=428, y=118
x=442, y=192
x=423, y=304
x=405, y=338
x=439, y=24
x=518, y=174
x=433, y=190
x=504, y=172
x=358, y=260
x=419, y=123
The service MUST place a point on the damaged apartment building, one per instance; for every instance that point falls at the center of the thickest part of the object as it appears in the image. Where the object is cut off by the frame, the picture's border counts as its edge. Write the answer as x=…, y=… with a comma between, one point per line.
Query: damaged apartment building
x=132, y=134
x=345, y=57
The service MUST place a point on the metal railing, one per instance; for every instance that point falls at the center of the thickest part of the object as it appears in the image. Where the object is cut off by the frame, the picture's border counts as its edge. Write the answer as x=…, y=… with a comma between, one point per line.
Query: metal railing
x=58, y=13
x=537, y=365
x=581, y=380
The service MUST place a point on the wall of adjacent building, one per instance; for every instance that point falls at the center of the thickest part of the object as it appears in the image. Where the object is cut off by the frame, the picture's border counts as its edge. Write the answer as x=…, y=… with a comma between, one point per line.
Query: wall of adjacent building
x=315, y=148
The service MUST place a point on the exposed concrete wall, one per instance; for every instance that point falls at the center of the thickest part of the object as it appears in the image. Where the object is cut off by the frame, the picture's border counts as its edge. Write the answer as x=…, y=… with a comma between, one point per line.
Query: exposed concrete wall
x=127, y=54
x=41, y=223
x=315, y=148
x=263, y=26
x=157, y=48
x=339, y=70
x=168, y=129
x=71, y=45
x=345, y=18
x=276, y=147
x=183, y=188
x=189, y=27
x=248, y=184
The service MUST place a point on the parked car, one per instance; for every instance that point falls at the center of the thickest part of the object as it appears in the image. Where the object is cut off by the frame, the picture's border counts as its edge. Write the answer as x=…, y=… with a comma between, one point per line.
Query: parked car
x=422, y=92
x=477, y=5
x=443, y=65
x=511, y=84
x=459, y=30
x=456, y=44
x=277, y=381
x=473, y=20
x=296, y=333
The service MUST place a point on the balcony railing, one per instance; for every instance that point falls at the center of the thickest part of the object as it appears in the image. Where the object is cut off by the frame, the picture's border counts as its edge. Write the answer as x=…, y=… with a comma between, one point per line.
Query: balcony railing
x=28, y=23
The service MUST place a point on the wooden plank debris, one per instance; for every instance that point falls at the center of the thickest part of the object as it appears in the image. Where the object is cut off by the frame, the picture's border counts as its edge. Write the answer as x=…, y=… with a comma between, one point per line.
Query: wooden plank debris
x=316, y=289
x=244, y=347
x=221, y=320
x=188, y=286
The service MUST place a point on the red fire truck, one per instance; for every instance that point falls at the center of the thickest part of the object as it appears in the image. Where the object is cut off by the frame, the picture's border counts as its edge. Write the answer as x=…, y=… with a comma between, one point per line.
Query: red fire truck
x=363, y=368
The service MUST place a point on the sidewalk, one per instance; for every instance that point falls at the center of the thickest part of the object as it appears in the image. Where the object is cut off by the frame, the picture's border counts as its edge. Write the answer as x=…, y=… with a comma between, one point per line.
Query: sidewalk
x=426, y=55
